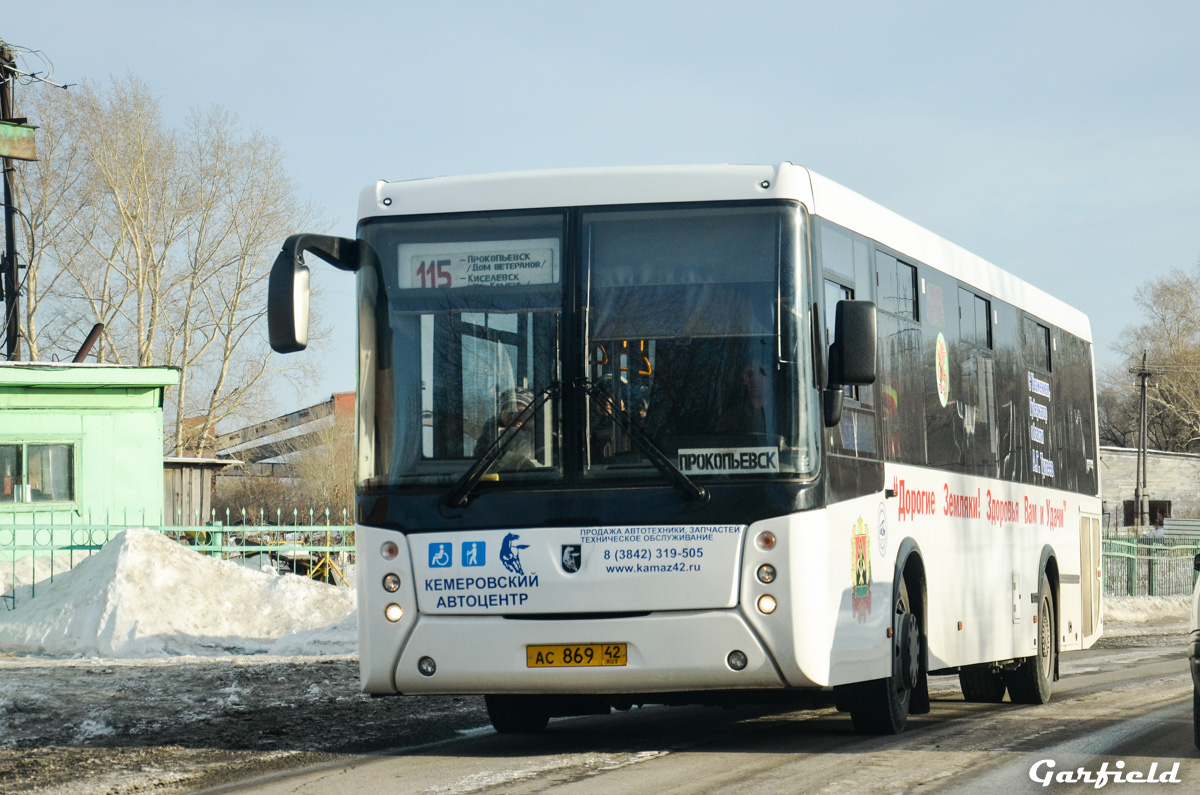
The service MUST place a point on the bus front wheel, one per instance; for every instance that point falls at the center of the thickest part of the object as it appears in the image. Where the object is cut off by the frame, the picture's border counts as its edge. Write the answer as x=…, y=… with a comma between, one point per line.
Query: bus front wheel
x=881, y=706
x=1032, y=682
x=518, y=714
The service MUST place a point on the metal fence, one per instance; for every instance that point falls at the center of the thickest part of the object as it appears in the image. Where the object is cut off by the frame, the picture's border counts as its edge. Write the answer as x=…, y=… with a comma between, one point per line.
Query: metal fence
x=1148, y=566
x=318, y=544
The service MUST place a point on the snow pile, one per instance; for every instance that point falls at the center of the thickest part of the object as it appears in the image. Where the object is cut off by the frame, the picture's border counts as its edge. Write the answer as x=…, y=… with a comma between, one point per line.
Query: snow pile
x=1147, y=609
x=339, y=638
x=1133, y=616
x=144, y=595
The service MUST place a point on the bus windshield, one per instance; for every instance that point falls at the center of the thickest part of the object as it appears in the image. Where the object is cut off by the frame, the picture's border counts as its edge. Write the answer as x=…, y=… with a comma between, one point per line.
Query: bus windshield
x=682, y=332
x=683, y=339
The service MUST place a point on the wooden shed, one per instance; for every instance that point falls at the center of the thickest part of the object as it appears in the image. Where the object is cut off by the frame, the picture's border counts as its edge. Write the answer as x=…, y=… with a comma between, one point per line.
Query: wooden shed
x=188, y=489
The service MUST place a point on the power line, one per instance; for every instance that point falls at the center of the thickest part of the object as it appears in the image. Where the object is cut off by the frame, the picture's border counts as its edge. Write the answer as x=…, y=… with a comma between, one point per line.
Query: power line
x=28, y=77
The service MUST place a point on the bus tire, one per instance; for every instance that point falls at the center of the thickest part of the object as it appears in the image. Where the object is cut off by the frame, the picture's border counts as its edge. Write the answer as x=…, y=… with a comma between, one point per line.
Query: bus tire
x=1033, y=681
x=518, y=714
x=881, y=706
x=981, y=685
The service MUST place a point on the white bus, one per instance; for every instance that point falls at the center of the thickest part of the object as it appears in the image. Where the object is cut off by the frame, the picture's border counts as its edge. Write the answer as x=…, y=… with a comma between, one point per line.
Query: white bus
x=705, y=435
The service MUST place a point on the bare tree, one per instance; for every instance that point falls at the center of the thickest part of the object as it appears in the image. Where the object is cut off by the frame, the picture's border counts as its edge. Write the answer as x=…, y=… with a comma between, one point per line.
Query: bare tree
x=45, y=188
x=1170, y=338
x=164, y=235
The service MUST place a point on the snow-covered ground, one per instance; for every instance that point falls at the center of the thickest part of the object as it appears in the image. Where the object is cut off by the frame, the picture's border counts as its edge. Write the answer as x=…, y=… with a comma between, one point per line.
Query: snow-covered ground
x=149, y=666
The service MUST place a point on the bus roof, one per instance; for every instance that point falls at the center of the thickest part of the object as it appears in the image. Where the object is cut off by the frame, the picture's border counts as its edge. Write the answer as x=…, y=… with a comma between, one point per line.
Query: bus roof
x=667, y=184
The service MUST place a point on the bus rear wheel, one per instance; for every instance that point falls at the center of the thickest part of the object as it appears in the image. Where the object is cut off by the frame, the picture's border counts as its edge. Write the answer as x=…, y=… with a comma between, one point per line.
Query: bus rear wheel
x=518, y=714
x=981, y=685
x=881, y=706
x=1033, y=681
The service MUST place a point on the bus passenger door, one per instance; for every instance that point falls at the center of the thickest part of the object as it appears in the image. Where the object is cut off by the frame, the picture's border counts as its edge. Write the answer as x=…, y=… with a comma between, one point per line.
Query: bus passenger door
x=1090, y=586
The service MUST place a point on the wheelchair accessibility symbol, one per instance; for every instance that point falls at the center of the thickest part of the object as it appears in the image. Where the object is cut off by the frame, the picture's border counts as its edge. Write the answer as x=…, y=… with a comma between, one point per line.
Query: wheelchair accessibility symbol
x=441, y=555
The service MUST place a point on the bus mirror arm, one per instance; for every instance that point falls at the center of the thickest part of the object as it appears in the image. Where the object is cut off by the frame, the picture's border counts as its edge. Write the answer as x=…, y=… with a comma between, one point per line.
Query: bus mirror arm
x=831, y=405
x=288, y=288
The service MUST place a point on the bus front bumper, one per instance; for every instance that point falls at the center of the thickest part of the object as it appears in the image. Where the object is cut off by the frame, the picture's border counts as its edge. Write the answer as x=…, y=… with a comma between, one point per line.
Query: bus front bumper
x=666, y=652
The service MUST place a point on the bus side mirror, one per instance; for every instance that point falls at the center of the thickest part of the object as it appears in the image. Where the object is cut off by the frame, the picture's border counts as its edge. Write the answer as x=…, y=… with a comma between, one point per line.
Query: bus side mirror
x=288, y=289
x=854, y=339
x=851, y=355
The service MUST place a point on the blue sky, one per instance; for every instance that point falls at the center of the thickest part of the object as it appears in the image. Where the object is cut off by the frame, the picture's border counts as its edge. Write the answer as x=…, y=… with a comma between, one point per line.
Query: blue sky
x=1060, y=141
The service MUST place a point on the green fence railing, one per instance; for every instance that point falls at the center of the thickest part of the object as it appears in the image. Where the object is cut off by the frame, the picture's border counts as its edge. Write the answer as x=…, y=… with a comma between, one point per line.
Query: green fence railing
x=1149, y=566
x=318, y=544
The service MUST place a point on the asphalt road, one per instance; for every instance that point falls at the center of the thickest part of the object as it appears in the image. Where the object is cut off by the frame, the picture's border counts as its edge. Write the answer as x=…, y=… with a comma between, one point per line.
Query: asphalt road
x=1127, y=704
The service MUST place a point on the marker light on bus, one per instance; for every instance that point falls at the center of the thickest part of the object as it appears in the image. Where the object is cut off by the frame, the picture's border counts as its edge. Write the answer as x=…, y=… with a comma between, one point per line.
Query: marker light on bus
x=427, y=666
x=736, y=660
x=766, y=540
x=767, y=604
x=391, y=583
x=766, y=574
x=393, y=612
x=389, y=550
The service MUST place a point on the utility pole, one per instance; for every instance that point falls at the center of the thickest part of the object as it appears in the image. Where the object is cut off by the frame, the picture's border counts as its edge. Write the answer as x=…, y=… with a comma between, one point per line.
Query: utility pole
x=1139, y=482
x=12, y=284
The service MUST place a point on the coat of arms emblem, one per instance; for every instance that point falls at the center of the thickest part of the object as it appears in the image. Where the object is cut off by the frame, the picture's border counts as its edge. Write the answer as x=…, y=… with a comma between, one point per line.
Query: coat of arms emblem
x=572, y=557
x=860, y=562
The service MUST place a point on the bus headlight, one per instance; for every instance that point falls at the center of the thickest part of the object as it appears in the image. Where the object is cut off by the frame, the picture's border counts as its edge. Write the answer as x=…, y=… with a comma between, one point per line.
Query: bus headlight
x=389, y=550
x=766, y=540
x=767, y=604
x=393, y=612
x=736, y=660
x=766, y=574
x=427, y=666
x=391, y=583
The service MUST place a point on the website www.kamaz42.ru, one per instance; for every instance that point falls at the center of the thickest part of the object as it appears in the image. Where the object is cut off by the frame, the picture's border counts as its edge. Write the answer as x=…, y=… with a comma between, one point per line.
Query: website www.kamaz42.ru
x=640, y=568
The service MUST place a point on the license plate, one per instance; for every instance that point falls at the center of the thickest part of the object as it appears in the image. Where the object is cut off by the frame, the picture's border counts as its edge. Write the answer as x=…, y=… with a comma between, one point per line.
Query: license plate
x=583, y=655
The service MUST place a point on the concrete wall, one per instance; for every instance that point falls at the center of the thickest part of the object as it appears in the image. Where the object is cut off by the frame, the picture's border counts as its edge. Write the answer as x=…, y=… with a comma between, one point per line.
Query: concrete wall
x=1173, y=477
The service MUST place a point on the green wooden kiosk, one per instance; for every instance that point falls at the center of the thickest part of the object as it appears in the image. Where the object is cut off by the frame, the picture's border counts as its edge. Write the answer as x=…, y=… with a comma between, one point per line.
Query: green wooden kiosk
x=81, y=444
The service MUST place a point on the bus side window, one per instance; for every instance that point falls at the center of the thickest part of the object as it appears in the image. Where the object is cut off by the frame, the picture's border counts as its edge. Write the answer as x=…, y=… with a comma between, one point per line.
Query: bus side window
x=977, y=385
x=896, y=286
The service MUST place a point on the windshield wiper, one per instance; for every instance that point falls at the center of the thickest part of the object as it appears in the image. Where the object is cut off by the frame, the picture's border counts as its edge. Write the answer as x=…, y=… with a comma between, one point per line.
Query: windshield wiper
x=657, y=457
x=460, y=495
